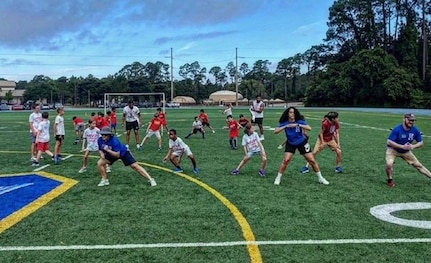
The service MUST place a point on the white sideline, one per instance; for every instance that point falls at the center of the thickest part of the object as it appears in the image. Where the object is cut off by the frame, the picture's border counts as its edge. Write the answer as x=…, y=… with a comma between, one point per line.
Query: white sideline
x=41, y=168
x=219, y=244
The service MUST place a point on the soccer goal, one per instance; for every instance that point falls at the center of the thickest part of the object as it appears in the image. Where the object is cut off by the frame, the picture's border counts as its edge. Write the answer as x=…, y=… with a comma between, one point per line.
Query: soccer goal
x=141, y=100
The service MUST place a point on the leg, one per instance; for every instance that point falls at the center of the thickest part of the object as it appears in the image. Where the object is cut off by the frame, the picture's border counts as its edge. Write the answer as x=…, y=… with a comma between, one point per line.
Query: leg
x=286, y=160
x=101, y=166
x=310, y=159
x=141, y=170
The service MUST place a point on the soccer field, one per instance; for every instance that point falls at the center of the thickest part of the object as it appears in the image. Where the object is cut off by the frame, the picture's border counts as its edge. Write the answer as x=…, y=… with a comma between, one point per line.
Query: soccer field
x=55, y=214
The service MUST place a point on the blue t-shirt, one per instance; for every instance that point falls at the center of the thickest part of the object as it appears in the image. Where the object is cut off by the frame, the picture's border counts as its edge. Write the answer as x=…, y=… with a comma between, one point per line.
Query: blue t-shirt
x=294, y=135
x=114, y=144
x=402, y=136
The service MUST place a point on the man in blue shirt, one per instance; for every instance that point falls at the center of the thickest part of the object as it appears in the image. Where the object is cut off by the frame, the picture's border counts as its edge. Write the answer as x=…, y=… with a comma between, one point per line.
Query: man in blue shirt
x=400, y=144
x=111, y=150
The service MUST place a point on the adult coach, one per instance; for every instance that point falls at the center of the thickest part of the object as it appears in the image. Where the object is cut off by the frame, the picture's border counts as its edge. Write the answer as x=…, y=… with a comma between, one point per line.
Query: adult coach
x=400, y=144
x=256, y=110
x=34, y=119
x=132, y=117
x=111, y=150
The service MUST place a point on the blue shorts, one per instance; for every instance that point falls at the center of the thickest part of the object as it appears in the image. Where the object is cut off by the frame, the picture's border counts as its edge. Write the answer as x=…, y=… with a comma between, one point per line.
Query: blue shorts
x=127, y=159
x=32, y=137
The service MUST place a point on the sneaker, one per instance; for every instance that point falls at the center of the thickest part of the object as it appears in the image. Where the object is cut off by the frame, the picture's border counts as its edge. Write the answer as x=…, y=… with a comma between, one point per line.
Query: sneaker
x=153, y=182
x=305, y=170
x=213, y=131
x=196, y=170
x=280, y=147
x=391, y=183
x=262, y=137
x=178, y=170
x=262, y=172
x=104, y=182
x=235, y=172
x=82, y=170
x=277, y=180
x=57, y=160
x=108, y=169
x=33, y=159
x=35, y=163
x=338, y=169
x=160, y=148
x=139, y=147
x=323, y=181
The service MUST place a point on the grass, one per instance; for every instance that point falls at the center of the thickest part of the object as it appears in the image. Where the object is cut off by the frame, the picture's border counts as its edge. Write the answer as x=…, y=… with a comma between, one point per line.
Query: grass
x=189, y=208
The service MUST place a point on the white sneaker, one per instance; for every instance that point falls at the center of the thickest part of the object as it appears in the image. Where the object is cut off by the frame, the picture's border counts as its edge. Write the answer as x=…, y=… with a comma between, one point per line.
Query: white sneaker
x=138, y=146
x=213, y=131
x=153, y=182
x=262, y=137
x=323, y=181
x=108, y=169
x=280, y=147
x=82, y=170
x=277, y=180
x=104, y=182
x=127, y=146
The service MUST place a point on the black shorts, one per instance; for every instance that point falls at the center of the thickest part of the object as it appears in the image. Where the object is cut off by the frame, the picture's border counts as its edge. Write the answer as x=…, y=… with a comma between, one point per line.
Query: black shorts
x=206, y=124
x=197, y=130
x=134, y=125
x=303, y=148
x=59, y=137
x=258, y=121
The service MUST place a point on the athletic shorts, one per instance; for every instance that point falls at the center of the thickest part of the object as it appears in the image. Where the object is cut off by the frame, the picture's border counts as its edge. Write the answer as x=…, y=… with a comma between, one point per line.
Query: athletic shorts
x=134, y=125
x=43, y=146
x=80, y=127
x=127, y=159
x=258, y=121
x=59, y=137
x=303, y=148
x=151, y=133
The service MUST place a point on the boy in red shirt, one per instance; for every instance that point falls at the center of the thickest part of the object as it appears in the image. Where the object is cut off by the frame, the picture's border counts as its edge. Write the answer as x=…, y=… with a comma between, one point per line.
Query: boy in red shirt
x=112, y=119
x=243, y=120
x=233, y=127
x=101, y=121
x=79, y=127
x=154, y=129
x=162, y=117
x=205, y=120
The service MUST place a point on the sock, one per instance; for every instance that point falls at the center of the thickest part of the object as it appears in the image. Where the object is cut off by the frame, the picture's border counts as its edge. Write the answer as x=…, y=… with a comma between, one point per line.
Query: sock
x=319, y=174
x=231, y=143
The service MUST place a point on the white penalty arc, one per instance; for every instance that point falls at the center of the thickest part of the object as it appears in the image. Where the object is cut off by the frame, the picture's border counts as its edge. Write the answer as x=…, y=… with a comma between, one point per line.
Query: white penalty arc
x=384, y=212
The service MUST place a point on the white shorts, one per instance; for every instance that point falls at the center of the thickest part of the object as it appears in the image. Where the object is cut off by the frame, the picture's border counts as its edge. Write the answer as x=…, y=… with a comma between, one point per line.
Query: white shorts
x=187, y=152
x=92, y=148
x=150, y=133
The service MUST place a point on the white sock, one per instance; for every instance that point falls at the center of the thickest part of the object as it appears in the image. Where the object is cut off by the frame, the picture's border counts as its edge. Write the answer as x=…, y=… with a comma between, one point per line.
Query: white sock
x=319, y=174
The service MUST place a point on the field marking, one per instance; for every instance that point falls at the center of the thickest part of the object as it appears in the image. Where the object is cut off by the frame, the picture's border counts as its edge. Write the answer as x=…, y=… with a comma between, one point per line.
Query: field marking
x=41, y=168
x=67, y=157
x=220, y=244
x=384, y=213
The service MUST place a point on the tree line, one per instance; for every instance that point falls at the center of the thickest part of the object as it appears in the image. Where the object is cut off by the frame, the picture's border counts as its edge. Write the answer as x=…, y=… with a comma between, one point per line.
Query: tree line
x=375, y=54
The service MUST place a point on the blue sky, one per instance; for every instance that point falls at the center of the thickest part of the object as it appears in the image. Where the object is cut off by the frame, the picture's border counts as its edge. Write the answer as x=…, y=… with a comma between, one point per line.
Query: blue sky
x=68, y=38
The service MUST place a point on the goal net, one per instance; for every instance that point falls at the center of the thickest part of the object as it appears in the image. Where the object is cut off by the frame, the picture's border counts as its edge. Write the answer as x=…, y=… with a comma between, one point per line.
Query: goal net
x=141, y=100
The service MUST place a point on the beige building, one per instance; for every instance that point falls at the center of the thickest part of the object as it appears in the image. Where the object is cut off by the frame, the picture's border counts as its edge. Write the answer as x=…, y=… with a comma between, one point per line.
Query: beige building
x=10, y=86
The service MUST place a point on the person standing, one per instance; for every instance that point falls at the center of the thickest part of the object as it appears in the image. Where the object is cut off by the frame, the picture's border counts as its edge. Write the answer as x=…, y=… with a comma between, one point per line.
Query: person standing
x=79, y=127
x=177, y=148
x=132, y=118
x=196, y=127
x=401, y=143
x=252, y=146
x=162, y=117
x=243, y=120
x=154, y=128
x=90, y=137
x=34, y=119
x=59, y=133
x=111, y=150
x=294, y=125
x=233, y=127
x=257, y=108
x=329, y=136
x=42, y=138
x=205, y=120
x=112, y=119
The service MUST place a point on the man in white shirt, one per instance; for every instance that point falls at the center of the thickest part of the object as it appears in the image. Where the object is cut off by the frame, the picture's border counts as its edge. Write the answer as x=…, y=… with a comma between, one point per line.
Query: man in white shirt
x=34, y=119
x=257, y=108
x=132, y=117
x=59, y=133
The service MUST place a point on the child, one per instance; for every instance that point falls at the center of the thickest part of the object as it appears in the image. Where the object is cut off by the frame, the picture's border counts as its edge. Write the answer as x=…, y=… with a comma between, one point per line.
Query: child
x=162, y=117
x=42, y=138
x=197, y=127
x=228, y=110
x=233, y=127
x=243, y=120
x=252, y=146
x=177, y=148
x=112, y=119
x=154, y=128
x=205, y=120
x=59, y=133
x=79, y=127
x=91, y=134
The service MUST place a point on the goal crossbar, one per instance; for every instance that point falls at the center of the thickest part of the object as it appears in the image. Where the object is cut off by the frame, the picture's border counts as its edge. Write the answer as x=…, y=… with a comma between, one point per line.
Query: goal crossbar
x=106, y=97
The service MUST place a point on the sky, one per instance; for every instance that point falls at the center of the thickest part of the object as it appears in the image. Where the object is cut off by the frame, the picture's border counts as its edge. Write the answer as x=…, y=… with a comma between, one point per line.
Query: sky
x=57, y=38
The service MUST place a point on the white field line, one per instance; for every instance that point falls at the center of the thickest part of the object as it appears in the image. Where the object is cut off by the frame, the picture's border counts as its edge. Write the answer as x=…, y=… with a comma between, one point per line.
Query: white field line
x=218, y=244
x=41, y=168
x=67, y=157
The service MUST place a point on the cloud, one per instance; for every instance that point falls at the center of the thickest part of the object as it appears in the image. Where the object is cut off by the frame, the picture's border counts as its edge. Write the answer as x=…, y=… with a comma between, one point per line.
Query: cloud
x=198, y=36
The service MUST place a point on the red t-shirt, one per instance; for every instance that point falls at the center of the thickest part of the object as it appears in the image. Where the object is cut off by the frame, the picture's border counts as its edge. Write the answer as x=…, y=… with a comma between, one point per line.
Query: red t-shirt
x=155, y=124
x=233, y=128
x=204, y=118
x=101, y=122
x=77, y=121
x=329, y=129
x=162, y=117
x=113, y=118
x=243, y=121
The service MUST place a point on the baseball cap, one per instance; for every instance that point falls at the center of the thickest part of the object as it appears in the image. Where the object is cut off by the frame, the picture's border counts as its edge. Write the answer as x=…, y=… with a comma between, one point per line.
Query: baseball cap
x=410, y=116
x=106, y=131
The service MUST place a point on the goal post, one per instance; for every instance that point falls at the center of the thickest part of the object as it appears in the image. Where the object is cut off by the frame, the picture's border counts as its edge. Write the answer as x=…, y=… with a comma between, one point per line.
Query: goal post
x=141, y=100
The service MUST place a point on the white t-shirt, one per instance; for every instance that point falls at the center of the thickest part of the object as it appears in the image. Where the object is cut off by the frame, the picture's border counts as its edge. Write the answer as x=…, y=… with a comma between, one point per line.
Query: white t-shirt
x=132, y=114
x=43, y=128
x=197, y=124
x=178, y=147
x=59, y=121
x=35, y=118
x=251, y=142
x=256, y=107
x=91, y=136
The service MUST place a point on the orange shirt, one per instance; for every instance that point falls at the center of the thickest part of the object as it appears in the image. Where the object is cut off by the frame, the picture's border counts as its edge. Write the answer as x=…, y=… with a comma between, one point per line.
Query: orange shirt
x=204, y=117
x=233, y=129
x=155, y=124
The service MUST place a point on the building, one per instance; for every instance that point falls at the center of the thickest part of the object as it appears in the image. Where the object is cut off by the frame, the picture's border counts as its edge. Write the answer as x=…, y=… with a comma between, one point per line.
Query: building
x=10, y=86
